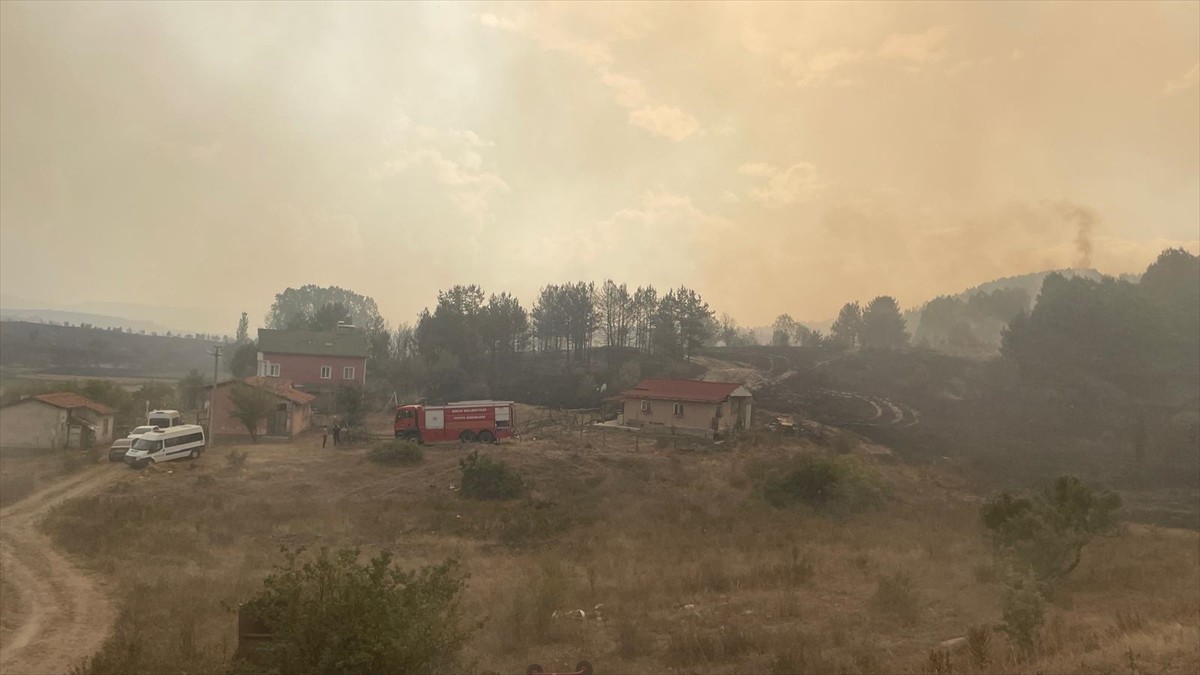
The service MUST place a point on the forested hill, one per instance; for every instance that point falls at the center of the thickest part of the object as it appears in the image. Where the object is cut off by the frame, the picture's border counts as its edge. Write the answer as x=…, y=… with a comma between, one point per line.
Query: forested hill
x=98, y=352
x=971, y=322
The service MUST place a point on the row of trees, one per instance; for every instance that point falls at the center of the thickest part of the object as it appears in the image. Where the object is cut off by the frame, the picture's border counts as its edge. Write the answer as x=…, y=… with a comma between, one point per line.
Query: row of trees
x=472, y=343
x=879, y=326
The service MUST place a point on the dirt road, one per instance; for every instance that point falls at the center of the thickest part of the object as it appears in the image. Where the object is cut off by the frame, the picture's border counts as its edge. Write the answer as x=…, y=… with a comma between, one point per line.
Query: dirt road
x=61, y=613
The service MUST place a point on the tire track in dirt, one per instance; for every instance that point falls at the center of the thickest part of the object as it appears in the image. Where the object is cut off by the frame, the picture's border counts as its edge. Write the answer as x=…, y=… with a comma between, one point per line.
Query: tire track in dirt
x=65, y=615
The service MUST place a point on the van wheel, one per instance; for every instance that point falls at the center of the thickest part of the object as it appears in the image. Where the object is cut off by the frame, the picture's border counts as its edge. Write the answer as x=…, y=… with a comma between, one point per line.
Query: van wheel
x=194, y=454
x=487, y=437
x=466, y=437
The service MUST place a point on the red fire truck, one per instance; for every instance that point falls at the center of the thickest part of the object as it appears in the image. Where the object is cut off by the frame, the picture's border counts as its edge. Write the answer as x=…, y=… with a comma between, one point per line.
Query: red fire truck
x=463, y=421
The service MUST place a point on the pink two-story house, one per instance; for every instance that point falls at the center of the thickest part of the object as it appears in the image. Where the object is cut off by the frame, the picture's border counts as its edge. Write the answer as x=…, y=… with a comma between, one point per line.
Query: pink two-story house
x=316, y=362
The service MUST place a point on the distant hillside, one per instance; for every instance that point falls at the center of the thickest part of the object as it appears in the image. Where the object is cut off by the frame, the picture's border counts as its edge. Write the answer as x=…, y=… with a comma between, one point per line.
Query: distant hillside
x=27, y=347
x=970, y=323
x=158, y=318
x=59, y=316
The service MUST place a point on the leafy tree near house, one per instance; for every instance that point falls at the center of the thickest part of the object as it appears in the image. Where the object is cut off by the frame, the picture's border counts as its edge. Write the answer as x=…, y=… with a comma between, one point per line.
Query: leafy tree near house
x=326, y=318
x=296, y=307
x=882, y=325
x=191, y=387
x=244, y=361
x=349, y=402
x=250, y=406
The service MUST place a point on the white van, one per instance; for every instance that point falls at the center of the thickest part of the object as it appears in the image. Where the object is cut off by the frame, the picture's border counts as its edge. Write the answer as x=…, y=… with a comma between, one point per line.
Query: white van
x=164, y=419
x=163, y=446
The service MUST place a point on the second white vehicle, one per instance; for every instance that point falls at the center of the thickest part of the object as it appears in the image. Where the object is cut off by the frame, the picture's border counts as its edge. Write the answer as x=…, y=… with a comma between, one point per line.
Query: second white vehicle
x=163, y=446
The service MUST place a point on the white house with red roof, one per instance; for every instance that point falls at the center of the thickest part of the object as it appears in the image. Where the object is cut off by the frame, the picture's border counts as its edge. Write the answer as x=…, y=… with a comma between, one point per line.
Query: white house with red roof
x=59, y=420
x=687, y=406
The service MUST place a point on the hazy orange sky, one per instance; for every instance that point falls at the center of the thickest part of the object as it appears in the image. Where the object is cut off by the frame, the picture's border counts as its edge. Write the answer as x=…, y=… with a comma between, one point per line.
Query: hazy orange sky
x=776, y=157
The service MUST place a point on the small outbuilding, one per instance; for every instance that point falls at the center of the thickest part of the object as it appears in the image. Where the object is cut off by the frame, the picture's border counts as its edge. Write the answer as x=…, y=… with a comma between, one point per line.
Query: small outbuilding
x=291, y=413
x=58, y=420
x=687, y=406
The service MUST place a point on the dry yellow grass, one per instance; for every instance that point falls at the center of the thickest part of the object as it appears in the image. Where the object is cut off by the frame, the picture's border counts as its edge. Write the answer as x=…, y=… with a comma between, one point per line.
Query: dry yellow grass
x=676, y=564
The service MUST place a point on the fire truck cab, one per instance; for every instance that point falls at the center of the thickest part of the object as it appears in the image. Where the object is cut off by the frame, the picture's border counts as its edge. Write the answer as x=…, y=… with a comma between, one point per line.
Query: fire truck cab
x=462, y=421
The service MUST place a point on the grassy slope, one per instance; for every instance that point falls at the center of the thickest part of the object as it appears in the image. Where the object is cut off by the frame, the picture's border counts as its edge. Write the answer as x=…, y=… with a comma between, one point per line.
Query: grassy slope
x=691, y=571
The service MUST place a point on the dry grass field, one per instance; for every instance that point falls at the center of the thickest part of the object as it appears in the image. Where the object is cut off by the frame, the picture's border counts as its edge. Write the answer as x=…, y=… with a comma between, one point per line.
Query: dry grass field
x=675, y=561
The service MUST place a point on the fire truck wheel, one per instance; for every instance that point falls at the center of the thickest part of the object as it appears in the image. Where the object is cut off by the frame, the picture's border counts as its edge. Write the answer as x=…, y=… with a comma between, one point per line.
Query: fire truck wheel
x=487, y=437
x=466, y=437
x=534, y=669
x=583, y=668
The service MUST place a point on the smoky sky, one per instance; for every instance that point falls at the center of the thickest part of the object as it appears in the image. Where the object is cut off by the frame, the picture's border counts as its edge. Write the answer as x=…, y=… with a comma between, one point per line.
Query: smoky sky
x=775, y=157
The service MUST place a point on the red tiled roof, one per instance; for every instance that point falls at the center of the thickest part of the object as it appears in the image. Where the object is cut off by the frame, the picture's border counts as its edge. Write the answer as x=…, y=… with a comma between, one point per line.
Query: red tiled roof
x=280, y=387
x=683, y=390
x=70, y=401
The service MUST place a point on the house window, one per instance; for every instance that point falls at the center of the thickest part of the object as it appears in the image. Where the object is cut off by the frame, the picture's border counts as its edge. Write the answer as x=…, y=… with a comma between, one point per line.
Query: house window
x=645, y=406
x=326, y=372
x=274, y=369
x=679, y=410
x=348, y=373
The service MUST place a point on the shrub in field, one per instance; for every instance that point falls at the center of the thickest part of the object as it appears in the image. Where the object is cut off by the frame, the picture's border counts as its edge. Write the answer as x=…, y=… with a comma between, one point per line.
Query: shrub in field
x=530, y=620
x=332, y=614
x=236, y=459
x=979, y=645
x=825, y=483
x=896, y=595
x=532, y=524
x=1046, y=532
x=1023, y=609
x=396, y=453
x=487, y=478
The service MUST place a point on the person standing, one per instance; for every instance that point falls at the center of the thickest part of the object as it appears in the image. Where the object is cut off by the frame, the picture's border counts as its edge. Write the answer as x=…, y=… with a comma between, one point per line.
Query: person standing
x=324, y=435
x=337, y=434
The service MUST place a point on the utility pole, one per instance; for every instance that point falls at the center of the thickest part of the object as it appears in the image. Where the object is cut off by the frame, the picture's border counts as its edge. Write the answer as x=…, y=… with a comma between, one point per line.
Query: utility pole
x=212, y=396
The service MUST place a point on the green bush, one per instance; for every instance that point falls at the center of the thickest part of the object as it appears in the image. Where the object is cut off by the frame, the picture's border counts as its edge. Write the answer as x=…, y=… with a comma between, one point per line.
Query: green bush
x=486, y=478
x=396, y=453
x=1046, y=532
x=1023, y=609
x=825, y=483
x=332, y=614
x=897, y=595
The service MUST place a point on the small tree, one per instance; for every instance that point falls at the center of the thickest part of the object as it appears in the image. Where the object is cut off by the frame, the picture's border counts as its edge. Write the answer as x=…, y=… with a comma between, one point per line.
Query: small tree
x=882, y=326
x=846, y=328
x=349, y=401
x=1023, y=609
x=250, y=405
x=1047, y=532
x=243, y=329
x=332, y=614
x=783, y=327
x=190, y=387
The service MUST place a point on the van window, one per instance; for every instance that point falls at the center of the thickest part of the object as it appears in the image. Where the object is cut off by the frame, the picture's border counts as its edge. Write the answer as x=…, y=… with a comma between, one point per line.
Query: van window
x=143, y=444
